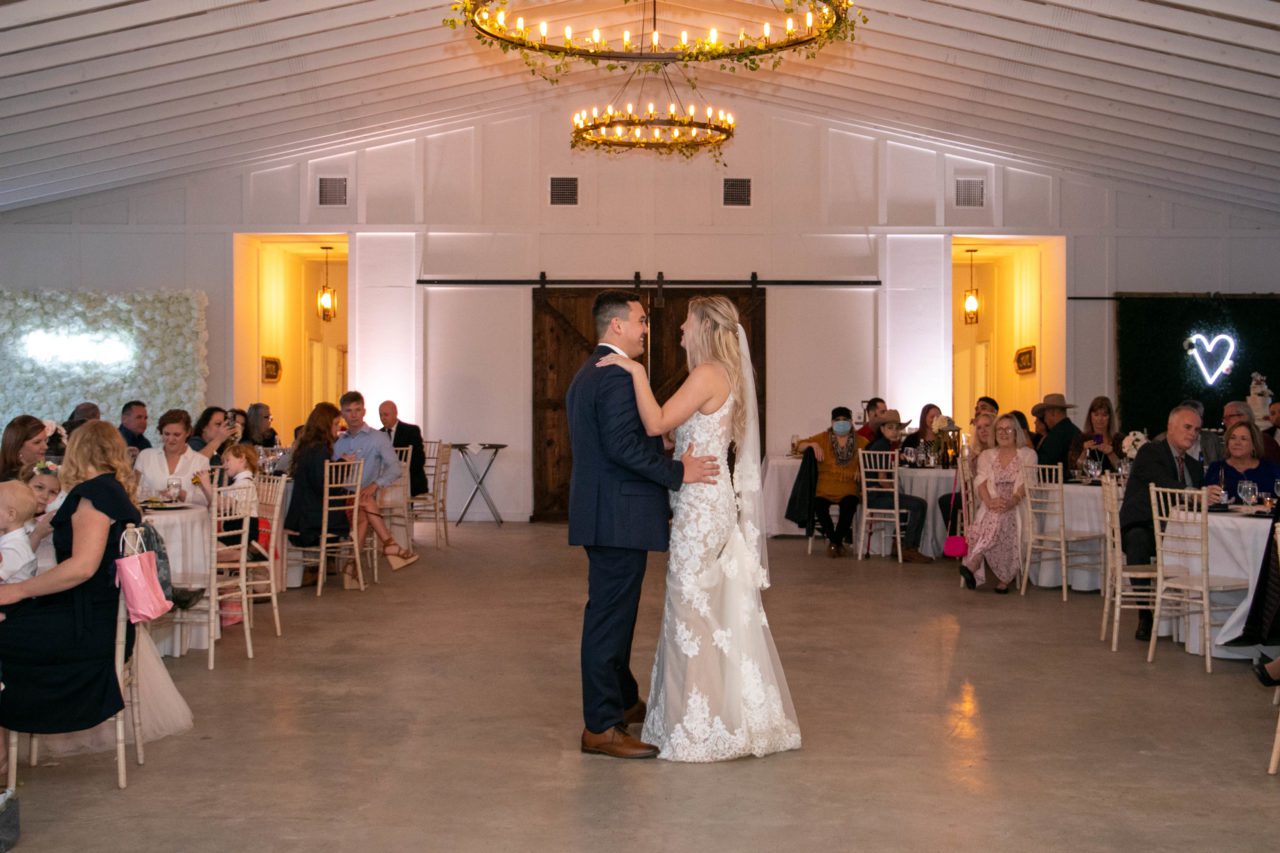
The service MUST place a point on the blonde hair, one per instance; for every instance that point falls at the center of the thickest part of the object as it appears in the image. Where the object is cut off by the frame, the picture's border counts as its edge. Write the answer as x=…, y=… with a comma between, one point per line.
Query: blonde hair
x=19, y=498
x=716, y=341
x=975, y=441
x=97, y=448
x=246, y=452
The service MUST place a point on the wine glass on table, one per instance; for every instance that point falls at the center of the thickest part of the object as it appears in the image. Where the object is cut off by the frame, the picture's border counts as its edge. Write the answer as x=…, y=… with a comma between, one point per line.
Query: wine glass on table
x=909, y=456
x=1092, y=468
x=1248, y=492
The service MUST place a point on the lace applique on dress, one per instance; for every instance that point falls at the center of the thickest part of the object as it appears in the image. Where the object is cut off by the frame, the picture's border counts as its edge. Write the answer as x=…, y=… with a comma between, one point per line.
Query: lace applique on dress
x=735, y=703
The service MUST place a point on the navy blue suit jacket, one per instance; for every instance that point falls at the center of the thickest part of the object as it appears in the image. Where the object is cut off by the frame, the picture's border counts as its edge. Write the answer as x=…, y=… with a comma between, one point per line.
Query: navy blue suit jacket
x=618, y=492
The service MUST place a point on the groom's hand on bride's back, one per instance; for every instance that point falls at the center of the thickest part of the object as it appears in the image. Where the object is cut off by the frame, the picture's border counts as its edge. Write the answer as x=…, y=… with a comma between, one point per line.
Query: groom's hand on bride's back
x=699, y=469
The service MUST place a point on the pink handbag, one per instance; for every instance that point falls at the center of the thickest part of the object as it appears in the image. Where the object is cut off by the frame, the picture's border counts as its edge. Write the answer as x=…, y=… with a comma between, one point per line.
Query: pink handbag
x=136, y=577
x=955, y=546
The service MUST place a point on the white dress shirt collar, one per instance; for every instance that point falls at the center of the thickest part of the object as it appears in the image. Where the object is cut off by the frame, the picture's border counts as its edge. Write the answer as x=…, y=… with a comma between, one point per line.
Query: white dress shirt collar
x=615, y=349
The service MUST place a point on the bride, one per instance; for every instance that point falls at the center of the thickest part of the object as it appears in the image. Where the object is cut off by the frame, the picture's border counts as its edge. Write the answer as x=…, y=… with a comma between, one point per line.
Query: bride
x=718, y=691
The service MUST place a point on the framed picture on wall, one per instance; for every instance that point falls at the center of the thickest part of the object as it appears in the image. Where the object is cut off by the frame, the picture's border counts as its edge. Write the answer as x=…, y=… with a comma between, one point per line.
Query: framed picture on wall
x=1024, y=360
x=270, y=369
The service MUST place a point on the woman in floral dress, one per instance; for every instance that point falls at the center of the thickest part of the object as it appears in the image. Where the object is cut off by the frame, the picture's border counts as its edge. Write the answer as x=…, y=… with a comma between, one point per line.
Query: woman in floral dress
x=995, y=539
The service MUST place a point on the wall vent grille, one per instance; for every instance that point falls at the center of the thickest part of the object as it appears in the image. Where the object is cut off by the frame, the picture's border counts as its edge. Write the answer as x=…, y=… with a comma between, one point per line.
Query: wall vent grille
x=564, y=191
x=737, y=192
x=971, y=192
x=332, y=192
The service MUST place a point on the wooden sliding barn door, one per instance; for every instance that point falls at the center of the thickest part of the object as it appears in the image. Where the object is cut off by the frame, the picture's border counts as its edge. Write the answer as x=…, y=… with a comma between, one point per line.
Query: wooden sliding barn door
x=564, y=336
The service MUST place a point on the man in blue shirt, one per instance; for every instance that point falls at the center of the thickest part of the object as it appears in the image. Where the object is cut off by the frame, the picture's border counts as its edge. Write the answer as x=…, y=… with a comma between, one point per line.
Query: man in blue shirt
x=133, y=423
x=381, y=469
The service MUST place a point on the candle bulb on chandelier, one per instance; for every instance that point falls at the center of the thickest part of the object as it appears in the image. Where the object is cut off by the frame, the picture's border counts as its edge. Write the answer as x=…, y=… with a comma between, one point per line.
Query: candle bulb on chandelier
x=520, y=26
x=595, y=36
x=542, y=31
x=502, y=16
x=655, y=39
x=651, y=109
x=691, y=108
x=712, y=36
x=684, y=38
x=568, y=36
x=766, y=32
x=631, y=113
x=791, y=28
x=742, y=37
x=671, y=110
x=626, y=39
x=808, y=22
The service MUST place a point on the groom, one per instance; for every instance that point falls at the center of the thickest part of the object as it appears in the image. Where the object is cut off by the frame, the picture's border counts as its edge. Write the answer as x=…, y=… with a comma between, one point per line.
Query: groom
x=618, y=511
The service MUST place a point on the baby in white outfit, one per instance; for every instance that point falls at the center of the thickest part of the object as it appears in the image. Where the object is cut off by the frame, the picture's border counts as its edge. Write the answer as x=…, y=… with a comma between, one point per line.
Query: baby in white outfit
x=17, y=507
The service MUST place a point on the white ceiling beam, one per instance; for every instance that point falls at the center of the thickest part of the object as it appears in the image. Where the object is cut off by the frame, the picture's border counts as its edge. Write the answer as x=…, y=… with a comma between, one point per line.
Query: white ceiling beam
x=1032, y=35
x=109, y=20
x=357, y=41
x=1188, y=22
x=110, y=44
x=235, y=48
x=1110, y=31
x=20, y=13
x=1023, y=60
x=1261, y=12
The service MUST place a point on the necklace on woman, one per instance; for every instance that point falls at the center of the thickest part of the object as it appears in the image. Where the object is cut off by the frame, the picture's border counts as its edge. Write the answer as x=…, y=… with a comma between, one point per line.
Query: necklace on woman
x=843, y=455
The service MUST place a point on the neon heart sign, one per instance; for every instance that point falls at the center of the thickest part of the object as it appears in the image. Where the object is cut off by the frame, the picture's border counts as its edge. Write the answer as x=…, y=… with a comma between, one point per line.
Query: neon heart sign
x=1221, y=363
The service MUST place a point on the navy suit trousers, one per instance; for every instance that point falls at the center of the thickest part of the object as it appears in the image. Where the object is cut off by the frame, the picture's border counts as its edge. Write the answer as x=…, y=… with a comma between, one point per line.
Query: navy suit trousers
x=614, y=578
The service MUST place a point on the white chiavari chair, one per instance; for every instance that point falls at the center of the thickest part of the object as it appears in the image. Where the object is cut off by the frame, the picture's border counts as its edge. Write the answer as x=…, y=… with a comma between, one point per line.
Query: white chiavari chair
x=1118, y=590
x=126, y=674
x=879, y=478
x=260, y=585
x=1184, y=584
x=1048, y=535
x=434, y=505
x=341, y=495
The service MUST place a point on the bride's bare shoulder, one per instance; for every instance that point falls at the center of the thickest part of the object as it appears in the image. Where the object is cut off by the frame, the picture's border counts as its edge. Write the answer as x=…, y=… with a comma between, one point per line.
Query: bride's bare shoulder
x=712, y=380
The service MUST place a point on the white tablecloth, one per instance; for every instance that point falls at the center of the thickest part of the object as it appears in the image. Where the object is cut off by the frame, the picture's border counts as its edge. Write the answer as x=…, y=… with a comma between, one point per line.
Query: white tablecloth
x=186, y=540
x=927, y=483
x=1236, y=546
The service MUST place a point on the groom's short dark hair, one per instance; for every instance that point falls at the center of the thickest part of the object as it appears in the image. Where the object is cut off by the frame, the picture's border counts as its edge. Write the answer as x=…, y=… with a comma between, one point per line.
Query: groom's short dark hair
x=610, y=304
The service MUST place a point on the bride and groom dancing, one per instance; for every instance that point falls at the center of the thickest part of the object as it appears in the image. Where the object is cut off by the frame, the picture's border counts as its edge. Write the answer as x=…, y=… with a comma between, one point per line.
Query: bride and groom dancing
x=717, y=689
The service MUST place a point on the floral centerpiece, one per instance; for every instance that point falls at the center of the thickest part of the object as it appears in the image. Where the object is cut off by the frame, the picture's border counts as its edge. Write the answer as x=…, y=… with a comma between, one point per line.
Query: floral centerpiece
x=1132, y=443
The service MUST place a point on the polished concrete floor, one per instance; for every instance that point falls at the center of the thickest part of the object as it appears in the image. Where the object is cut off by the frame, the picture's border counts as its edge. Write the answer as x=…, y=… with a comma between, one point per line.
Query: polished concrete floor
x=440, y=711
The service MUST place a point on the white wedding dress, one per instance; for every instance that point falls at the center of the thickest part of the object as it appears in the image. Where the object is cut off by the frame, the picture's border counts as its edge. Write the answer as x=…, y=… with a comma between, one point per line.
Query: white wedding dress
x=718, y=691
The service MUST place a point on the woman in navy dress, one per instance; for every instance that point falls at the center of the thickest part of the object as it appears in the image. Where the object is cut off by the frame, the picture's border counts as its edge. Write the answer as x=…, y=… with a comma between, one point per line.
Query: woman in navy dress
x=57, y=640
x=1243, y=446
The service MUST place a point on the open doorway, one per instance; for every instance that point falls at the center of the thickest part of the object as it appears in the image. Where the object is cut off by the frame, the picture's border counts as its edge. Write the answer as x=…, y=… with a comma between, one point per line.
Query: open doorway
x=1009, y=327
x=286, y=354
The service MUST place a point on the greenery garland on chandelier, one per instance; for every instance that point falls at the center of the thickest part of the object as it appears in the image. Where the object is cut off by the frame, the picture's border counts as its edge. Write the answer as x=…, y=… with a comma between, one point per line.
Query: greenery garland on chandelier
x=550, y=57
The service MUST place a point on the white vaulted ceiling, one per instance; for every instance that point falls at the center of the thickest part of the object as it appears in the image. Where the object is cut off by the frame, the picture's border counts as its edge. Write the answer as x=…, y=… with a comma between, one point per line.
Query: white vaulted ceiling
x=102, y=93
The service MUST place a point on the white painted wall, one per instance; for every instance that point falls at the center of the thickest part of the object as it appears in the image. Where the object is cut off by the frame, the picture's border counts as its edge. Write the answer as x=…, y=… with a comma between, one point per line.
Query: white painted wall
x=832, y=200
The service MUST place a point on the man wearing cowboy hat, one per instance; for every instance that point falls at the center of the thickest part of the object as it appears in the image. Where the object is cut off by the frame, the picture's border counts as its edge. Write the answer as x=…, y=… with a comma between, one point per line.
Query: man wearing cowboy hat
x=886, y=431
x=1056, y=446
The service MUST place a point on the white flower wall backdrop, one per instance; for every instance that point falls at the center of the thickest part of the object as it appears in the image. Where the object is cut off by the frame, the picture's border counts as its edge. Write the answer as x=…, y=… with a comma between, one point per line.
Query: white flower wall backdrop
x=59, y=348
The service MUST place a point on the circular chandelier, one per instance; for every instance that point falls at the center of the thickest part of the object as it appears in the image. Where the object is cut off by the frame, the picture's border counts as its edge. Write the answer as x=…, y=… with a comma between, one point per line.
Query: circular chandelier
x=549, y=51
x=679, y=130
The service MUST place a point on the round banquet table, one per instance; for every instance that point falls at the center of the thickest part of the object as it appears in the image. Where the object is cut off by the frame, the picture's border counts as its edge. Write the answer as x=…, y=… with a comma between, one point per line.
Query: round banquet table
x=186, y=540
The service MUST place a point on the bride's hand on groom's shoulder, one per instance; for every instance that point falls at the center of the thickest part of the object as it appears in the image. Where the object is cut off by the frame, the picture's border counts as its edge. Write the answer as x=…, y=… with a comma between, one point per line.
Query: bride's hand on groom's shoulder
x=630, y=365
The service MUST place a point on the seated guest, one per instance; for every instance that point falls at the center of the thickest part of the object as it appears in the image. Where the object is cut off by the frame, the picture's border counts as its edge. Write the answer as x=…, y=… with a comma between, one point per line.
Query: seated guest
x=133, y=423
x=980, y=439
x=25, y=441
x=924, y=435
x=995, y=538
x=1243, y=462
x=1208, y=446
x=985, y=404
x=836, y=451
x=174, y=458
x=381, y=469
x=1041, y=430
x=239, y=420
x=42, y=479
x=17, y=507
x=1100, y=439
x=1026, y=427
x=1056, y=445
x=86, y=412
x=258, y=430
x=1274, y=429
x=875, y=406
x=211, y=433
x=404, y=434
x=887, y=428
x=1237, y=412
x=57, y=640
x=314, y=447
x=1168, y=464
x=240, y=464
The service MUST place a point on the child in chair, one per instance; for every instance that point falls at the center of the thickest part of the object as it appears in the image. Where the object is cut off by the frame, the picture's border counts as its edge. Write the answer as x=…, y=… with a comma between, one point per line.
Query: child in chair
x=17, y=507
x=42, y=479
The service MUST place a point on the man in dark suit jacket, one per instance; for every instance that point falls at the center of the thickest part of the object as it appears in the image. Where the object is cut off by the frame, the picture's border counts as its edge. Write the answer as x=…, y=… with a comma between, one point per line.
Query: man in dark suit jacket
x=406, y=435
x=619, y=510
x=1167, y=465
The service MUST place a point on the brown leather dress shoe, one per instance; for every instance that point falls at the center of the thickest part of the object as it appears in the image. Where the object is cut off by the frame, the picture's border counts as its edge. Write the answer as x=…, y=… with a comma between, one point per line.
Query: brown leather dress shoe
x=616, y=743
x=833, y=551
x=635, y=714
x=913, y=555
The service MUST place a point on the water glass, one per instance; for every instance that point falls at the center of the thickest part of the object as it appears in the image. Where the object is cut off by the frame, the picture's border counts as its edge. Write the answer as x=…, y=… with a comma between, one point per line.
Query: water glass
x=1092, y=468
x=909, y=456
x=172, y=488
x=1248, y=492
